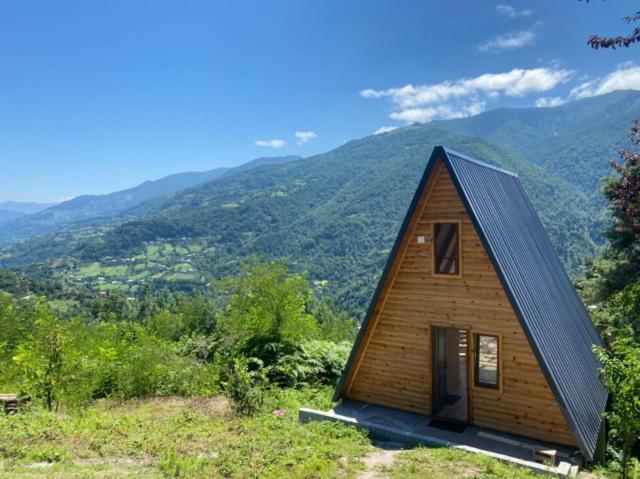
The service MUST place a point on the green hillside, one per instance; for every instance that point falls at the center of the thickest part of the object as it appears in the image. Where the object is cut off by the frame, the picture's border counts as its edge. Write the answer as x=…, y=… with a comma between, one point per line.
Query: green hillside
x=103, y=208
x=336, y=214
x=575, y=141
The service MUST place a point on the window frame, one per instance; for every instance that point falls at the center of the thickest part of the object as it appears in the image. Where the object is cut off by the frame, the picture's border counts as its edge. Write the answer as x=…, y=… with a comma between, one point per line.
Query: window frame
x=434, y=246
x=476, y=361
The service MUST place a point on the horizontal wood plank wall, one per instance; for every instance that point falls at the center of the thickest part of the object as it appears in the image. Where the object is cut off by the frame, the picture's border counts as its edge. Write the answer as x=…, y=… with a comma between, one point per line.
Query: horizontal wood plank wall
x=393, y=365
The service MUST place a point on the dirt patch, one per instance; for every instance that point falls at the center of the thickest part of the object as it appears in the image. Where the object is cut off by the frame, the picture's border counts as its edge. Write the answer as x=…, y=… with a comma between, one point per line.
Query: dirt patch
x=164, y=405
x=382, y=456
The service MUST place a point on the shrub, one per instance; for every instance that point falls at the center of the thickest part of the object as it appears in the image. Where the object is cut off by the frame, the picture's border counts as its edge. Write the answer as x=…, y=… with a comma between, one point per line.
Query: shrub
x=43, y=357
x=620, y=372
x=268, y=302
x=313, y=362
x=246, y=386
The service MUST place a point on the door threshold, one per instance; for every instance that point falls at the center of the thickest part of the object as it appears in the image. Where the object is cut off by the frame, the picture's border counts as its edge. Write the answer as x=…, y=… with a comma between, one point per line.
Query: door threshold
x=447, y=425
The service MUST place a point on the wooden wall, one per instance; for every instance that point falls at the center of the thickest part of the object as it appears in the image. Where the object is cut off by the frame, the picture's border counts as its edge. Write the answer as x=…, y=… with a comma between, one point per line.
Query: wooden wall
x=393, y=365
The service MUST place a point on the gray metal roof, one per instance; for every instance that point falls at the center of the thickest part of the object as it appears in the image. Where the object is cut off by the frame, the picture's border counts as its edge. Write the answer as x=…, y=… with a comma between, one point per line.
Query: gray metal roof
x=552, y=316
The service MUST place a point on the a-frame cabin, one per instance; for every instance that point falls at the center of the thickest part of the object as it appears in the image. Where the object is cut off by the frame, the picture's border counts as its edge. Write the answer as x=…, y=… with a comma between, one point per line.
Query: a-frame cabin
x=475, y=320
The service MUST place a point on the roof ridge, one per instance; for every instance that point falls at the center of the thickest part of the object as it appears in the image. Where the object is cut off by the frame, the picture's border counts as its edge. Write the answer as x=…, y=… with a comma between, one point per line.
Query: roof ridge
x=462, y=156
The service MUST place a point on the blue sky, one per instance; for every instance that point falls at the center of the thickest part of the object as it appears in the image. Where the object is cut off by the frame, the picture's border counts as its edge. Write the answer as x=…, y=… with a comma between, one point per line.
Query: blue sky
x=100, y=96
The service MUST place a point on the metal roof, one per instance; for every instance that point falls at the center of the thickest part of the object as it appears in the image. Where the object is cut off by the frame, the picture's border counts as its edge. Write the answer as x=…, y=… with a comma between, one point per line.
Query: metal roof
x=552, y=315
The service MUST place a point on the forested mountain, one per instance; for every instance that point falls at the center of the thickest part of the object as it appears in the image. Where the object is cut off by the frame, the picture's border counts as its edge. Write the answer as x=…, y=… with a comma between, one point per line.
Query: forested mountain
x=574, y=141
x=19, y=284
x=24, y=207
x=8, y=215
x=336, y=214
x=10, y=210
x=105, y=207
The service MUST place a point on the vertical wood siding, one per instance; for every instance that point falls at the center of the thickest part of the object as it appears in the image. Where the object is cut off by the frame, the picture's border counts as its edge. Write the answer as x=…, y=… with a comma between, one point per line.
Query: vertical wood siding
x=393, y=366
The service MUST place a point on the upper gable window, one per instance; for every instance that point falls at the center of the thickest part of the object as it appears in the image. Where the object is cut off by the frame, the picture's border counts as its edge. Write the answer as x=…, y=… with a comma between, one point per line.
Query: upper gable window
x=446, y=242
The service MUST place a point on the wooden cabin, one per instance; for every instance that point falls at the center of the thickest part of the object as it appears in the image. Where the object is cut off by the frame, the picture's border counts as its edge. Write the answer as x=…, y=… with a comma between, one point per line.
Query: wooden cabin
x=474, y=320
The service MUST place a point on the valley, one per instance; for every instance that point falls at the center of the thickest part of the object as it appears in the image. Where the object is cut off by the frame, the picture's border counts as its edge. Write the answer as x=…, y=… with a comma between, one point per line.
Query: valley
x=335, y=215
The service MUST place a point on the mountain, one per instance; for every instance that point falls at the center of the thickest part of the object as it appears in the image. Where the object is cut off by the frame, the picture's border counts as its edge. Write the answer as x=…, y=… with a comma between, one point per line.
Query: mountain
x=7, y=215
x=24, y=208
x=19, y=284
x=94, y=207
x=10, y=210
x=574, y=141
x=336, y=215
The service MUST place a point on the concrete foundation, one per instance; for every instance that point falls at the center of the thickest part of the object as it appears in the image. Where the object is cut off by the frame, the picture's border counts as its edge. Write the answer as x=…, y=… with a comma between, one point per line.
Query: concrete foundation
x=413, y=429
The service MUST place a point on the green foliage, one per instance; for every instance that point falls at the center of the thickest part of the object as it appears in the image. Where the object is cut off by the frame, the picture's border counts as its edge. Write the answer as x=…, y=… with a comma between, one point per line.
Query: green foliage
x=436, y=463
x=19, y=284
x=267, y=304
x=619, y=263
x=246, y=385
x=604, y=275
x=620, y=372
x=334, y=325
x=621, y=314
x=98, y=208
x=312, y=362
x=185, y=437
x=170, y=344
x=622, y=190
x=45, y=357
x=176, y=466
x=336, y=215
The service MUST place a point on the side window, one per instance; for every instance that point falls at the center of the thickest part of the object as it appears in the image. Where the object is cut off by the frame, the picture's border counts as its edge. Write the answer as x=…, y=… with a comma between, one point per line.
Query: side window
x=446, y=242
x=487, y=360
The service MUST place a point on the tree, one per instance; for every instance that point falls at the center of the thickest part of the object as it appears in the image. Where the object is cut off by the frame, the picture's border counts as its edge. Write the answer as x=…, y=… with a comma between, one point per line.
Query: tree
x=619, y=264
x=596, y=41
x=42, y=356
x=620, y=372
x=268, y=305
x=621, y=315
x=623, y=193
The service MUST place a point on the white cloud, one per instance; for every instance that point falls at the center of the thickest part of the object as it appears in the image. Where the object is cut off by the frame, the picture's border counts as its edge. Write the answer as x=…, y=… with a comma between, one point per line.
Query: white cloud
x=413, y=115
x=370, y=93
x=459, y=98
x=516, y=82
x=444, y=112
x=275, y=143
x=511, y=12
x=625, y=77
x=548, y=101
x=304, y=136
x=510, y=41
x=385, y=129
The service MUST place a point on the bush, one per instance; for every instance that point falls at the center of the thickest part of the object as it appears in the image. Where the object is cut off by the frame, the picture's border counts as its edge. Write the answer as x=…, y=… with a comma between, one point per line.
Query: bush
x=267, y=302
x=246, y=386
x=313, y=362
x=44, y=357
x=621, y=314
x=620, y=372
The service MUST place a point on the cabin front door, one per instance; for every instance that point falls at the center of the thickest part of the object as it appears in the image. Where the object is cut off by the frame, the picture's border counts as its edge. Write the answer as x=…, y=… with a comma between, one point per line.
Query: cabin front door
x=450, y=374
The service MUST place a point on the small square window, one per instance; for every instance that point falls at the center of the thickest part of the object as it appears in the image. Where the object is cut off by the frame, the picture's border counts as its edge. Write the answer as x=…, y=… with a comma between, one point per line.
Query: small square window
x=487, y=360
x=446, y=248
x=422, y=239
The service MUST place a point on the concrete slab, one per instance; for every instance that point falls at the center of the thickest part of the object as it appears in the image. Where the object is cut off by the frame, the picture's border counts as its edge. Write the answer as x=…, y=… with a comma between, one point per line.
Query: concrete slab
x=410, y=428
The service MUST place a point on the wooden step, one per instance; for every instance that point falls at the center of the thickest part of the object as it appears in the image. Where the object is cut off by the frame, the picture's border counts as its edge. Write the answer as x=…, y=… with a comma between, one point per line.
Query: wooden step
x=11, y=402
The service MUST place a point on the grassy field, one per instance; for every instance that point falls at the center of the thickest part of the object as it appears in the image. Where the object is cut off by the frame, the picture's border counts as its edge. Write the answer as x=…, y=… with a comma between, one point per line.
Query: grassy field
x=199, y=437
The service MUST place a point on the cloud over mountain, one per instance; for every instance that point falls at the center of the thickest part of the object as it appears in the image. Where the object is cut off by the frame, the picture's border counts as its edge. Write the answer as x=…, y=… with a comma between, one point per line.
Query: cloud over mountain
x=465, y=97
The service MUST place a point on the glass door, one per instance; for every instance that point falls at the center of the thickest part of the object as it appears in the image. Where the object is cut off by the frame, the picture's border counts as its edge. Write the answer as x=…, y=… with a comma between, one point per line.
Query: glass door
x=450, y=374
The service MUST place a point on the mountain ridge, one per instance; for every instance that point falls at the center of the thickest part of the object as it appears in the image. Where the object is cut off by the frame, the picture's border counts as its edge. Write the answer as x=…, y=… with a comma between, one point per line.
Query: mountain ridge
x=334, y=215
x=103, y=207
